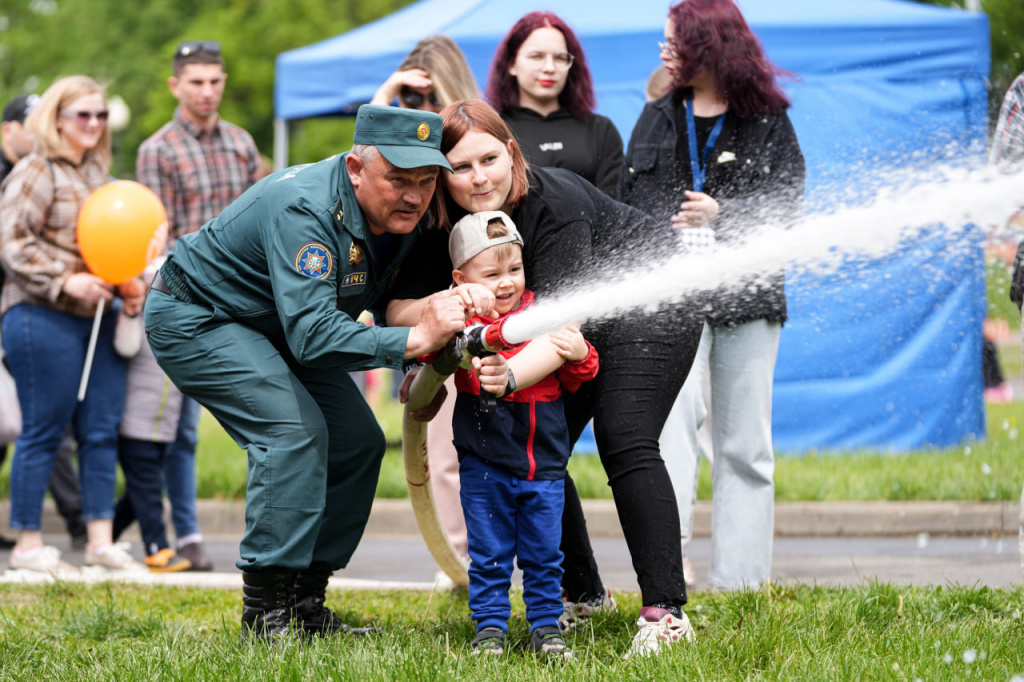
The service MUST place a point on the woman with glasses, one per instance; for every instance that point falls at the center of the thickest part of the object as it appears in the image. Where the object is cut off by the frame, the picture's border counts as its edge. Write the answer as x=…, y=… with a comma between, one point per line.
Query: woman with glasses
x=717, y=159
x=48, y=303
x=541, y=85
x=432, y=76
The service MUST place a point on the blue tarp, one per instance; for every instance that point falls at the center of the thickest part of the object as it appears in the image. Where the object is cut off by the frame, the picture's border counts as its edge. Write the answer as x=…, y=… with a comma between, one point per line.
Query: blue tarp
x=882, y=354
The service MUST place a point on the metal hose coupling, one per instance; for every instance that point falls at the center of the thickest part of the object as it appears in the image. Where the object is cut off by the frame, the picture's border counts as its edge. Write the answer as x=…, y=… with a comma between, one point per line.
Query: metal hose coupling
x=479, y=340
x=482, y=340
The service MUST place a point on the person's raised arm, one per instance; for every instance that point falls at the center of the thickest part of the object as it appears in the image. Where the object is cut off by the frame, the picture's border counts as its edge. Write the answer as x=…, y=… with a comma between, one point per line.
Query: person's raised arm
x=389, y=89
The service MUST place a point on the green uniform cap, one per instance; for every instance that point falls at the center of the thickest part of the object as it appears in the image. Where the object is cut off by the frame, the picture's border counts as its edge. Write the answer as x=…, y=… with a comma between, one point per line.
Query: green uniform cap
x=408, y=138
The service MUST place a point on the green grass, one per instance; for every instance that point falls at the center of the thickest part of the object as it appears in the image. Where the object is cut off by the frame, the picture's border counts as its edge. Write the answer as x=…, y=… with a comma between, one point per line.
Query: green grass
x=982, y=471
x=801, y=632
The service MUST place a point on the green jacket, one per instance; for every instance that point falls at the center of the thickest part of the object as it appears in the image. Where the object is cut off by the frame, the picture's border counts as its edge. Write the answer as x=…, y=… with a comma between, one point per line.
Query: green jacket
x=292, y=258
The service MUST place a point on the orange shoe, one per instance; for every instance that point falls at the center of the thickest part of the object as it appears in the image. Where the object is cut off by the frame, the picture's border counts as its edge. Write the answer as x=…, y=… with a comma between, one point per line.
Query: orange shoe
x=166, y=561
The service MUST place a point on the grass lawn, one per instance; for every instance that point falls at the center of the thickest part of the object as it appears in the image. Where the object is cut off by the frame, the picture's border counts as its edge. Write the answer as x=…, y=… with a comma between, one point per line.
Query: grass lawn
x=982, y=471
x=873, y=631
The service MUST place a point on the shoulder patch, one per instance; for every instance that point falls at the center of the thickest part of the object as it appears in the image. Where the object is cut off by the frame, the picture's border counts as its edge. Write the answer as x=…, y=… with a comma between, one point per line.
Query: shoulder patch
x=314, y=260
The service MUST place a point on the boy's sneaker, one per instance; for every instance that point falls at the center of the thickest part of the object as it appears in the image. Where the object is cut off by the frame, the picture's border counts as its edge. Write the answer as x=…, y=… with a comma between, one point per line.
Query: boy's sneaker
x=489, y=642
x=113, y=557
x=659, y=628
x=44, y=560
x=547, y=641
x=578, y=613
x=166, y=561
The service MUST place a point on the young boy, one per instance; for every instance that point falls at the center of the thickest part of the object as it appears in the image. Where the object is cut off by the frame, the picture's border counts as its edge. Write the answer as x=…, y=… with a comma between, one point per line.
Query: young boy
x=513, y=460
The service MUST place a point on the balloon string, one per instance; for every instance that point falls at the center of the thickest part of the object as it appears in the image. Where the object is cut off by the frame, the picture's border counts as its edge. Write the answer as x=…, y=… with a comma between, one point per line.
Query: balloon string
x=87, y=369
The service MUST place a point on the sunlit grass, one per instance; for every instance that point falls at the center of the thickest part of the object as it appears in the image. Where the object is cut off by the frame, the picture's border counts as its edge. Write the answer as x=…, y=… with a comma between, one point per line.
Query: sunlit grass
x=982, y=471
x=987, y=470
x=801, y=632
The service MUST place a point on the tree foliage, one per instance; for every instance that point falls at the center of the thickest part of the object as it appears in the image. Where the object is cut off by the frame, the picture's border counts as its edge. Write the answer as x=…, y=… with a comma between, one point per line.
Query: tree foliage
x=1006, y=25
x=129, y=47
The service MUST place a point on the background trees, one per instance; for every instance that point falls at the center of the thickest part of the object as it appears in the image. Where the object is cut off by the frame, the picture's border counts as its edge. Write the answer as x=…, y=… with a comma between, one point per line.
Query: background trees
x=129, y=46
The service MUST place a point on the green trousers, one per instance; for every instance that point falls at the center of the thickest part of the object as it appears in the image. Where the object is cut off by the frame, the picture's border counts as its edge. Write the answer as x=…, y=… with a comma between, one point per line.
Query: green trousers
x=314, y=445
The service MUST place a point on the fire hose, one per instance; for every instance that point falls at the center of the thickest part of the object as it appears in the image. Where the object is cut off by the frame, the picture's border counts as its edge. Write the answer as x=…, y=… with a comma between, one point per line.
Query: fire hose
x=477, y=340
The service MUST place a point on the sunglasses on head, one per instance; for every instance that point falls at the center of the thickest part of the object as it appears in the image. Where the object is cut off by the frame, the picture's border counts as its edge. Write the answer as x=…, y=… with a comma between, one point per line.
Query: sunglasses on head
x=83, y=117
x=190, y=47
x=414, y=100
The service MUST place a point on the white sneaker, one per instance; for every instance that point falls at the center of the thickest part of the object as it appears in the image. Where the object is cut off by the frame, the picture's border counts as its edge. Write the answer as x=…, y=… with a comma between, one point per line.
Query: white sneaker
x=655, y=634
x=46, y=560
x=574, y=613
x=114, y=558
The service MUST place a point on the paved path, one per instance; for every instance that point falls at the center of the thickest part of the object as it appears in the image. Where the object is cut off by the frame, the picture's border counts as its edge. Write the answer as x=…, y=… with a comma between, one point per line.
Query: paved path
x=403, y=561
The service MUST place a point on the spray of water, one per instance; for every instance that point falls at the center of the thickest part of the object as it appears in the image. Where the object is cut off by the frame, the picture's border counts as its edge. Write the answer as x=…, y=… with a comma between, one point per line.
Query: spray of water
x=818, y=244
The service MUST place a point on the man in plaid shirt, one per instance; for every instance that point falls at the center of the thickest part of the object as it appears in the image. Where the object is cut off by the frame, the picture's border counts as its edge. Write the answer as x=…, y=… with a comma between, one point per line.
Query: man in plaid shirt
x=197, y=164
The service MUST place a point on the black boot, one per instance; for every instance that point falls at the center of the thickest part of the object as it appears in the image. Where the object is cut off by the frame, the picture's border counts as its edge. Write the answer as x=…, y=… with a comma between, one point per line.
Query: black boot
x=309, y=610
x=266, y=603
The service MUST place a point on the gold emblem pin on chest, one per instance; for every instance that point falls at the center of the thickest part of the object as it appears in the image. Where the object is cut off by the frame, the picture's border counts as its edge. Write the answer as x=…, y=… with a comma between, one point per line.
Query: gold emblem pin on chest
x=355, y=255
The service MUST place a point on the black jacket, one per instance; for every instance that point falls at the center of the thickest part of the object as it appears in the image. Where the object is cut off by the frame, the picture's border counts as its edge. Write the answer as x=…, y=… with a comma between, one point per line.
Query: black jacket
x=755, y=172
x=591, y=148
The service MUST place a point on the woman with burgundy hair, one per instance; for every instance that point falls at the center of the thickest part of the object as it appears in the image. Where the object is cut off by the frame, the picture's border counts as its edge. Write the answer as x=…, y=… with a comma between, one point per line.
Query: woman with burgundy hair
x=541, y=85
x=717, y=158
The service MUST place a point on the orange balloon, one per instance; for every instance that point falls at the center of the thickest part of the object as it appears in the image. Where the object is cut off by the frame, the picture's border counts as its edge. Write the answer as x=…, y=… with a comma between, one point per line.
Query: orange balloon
x=121, y=228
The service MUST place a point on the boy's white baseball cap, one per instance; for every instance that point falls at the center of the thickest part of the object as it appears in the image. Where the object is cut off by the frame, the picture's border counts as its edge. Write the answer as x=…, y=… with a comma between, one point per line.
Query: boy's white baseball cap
x=469, y=236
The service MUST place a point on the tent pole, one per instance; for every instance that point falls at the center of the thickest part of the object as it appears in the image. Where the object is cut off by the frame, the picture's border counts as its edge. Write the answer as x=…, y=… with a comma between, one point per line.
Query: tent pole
x=280, y=143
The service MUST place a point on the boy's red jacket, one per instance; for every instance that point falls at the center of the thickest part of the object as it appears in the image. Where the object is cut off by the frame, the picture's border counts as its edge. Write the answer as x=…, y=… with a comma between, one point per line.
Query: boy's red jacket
x=527, y=435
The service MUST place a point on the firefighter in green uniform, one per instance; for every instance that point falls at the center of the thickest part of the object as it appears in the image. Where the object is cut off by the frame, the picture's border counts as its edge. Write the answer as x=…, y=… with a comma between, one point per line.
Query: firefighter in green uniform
x=255, y=315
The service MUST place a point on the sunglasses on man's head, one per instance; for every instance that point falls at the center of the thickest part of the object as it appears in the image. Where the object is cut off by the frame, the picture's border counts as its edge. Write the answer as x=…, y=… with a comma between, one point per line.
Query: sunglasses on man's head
x=83, y=117
x=190, y=47
x=414, y=100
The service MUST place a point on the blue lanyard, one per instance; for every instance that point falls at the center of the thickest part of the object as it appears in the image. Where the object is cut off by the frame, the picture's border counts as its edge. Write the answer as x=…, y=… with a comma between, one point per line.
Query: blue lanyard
x=698, y=167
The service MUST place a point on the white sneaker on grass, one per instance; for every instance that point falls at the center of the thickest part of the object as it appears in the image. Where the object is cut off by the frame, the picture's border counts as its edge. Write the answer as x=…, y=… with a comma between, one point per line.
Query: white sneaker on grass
x=113, y=557
x=45, y=560
x=578, y=613
x=658, y=629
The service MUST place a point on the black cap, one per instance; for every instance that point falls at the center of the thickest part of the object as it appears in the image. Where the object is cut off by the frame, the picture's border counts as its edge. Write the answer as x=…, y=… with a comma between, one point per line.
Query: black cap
x=20, y=107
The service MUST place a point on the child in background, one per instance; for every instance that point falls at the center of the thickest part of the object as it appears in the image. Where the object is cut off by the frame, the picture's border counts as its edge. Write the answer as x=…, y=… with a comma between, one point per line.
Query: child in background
x=149, y=424
x=513, y=460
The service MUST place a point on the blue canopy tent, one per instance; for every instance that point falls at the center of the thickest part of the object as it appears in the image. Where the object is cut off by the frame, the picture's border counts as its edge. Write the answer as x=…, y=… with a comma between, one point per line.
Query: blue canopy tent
x=880, y=354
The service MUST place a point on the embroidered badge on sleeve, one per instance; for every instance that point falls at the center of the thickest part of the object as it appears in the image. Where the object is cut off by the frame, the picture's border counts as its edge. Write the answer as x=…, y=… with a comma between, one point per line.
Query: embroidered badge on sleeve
x=314, y=260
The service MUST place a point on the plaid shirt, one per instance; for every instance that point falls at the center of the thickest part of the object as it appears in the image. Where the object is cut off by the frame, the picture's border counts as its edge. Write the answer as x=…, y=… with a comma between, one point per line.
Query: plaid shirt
x=38, y=217
x=196, y=174
x=1008, y=141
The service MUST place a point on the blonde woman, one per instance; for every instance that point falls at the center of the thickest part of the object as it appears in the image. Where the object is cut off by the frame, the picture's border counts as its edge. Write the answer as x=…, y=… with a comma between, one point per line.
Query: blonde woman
x=48, y=303
x=432, y=76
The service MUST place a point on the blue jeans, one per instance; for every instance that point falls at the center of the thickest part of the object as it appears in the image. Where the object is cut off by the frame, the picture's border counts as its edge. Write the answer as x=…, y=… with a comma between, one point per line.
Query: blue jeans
x=509, y=518
x=46, y=350
x=180, y=470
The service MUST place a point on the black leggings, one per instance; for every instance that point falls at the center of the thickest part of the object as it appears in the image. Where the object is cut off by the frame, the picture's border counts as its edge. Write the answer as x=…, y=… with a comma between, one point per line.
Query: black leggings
x=643, y=364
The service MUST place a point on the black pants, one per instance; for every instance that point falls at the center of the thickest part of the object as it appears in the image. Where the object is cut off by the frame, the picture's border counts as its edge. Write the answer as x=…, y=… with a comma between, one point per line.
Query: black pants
x=143, y=465
x=644, y=362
